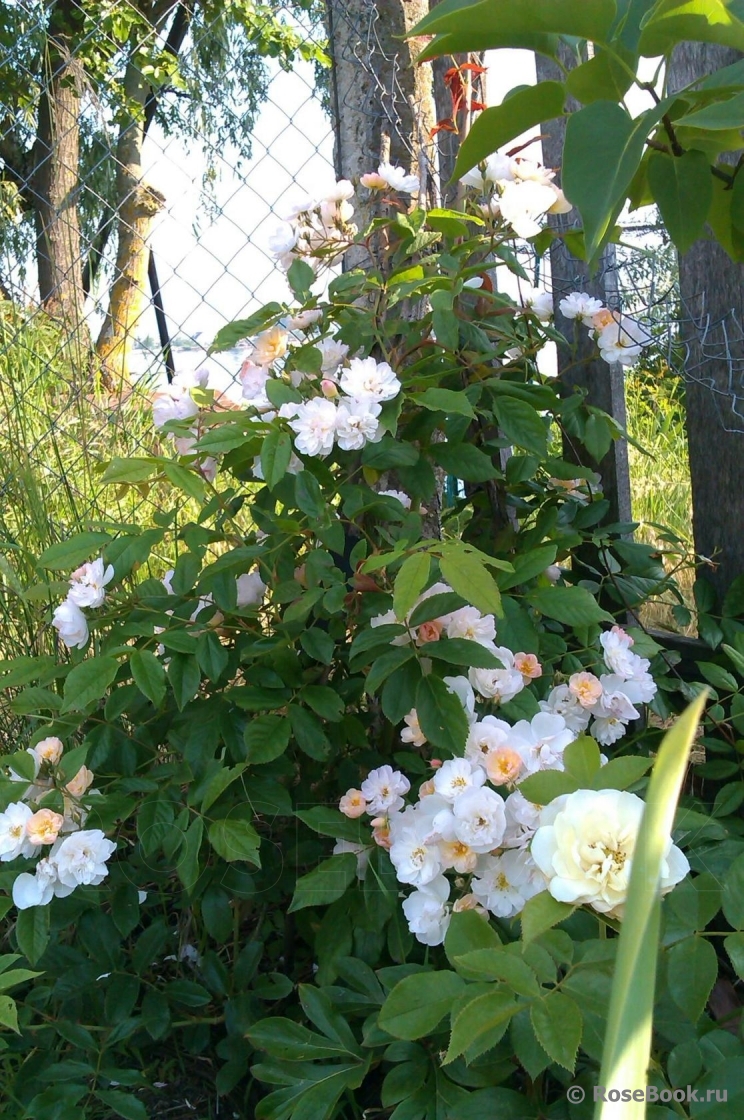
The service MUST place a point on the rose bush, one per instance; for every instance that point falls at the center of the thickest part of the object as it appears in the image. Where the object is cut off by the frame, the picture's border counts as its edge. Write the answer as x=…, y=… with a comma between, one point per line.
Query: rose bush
x=398, y=601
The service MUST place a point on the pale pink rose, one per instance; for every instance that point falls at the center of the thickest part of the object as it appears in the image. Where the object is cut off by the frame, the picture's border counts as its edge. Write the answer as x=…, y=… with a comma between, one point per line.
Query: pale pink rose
x=504, y=766
x=586, y=688
x=77, y=786
x=381, y=836
x=353, y=803
x=373, y=181
x=43, y=827
x=528, y=665
x=329, y=388
x=48, y=750
x=429, y=631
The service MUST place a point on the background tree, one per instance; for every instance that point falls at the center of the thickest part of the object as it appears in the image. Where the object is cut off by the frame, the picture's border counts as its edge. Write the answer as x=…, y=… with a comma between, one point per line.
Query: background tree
x=83, y=90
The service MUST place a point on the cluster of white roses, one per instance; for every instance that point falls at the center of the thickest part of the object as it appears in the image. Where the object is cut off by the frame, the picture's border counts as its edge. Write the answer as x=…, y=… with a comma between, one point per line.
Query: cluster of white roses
x=76, y=856
x=520, y=192
x=347, y=411
x=175, y=402
x=87, y=589
x=619, y=338
x=318, y=228
x=472, y=819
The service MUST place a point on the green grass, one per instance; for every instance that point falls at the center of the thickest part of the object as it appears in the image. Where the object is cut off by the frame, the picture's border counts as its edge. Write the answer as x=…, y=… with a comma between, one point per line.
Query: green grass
x=660, y=480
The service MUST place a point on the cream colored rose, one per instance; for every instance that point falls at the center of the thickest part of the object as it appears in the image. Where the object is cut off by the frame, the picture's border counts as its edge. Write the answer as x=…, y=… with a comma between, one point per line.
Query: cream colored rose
x=48, y=750
x=270, y=346
x=586, y=688
x=77, y=786
x=584, y=847
x=43, y=827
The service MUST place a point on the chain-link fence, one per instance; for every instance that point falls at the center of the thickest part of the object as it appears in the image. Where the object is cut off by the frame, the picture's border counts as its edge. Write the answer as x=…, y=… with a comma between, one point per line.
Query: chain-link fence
x=147, y=148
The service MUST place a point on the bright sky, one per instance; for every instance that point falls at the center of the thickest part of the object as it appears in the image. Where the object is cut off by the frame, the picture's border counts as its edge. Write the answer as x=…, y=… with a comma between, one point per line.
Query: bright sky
x=215, y=267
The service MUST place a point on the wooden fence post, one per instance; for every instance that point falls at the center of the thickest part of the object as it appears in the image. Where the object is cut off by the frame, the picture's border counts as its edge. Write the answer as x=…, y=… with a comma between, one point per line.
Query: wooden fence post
x=711, y=330
x=604, y=384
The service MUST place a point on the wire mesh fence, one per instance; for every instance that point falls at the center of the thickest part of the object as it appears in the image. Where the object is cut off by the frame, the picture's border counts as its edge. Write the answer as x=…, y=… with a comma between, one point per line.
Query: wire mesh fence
x=146, y=151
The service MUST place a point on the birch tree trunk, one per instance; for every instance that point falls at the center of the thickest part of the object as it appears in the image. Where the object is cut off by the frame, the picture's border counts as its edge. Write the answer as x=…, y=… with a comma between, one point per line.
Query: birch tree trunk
x=138, y=204
x=711, y=330
x=55, y=163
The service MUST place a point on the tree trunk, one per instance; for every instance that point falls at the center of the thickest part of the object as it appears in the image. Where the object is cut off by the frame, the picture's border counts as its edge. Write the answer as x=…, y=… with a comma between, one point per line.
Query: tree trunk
x=382, y=102
x=584, y=369
x=55, y=161
x=711, y=316
x=137, y=206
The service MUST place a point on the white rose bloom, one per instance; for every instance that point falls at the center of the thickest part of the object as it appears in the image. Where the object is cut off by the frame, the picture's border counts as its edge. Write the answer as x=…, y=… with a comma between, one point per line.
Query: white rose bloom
x=562, y=702
x=88, y=582
x=613, y=711
x=622, y=340
x=251, y=589
x=485, y=737
x=341, y=190
x=38, y=889
x=172, y=403
x=468, y=622
x=397, y=179
x=539, y=302
x=618, y=656
x=496, y=169
x=298, y=203
x=478, y=820
x=426, y=913
x=315, y=427
x=522, y=203
x=253, y=379
x=357, y=424
x=542, y=740
x=585, y=844
x=399, y=496
x=456, y=776
x=332, y=352
x=498, y=684
x=80, y=858
x=463, y=690
x=503, y=884
x=359, y=850
x=414, y=853
x=522, y=819
x=383, y=789
x=580, y=305
x=562, y=205
x=412, y=732
x=366, y=379
x=70, y=622
x=305, y=319
x=530, y=171
x=14, y=839
x=282, y=239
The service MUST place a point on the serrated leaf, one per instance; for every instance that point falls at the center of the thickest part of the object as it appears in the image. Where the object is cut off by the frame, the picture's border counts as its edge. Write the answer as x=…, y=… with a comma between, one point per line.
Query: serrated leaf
x=149, y=675
x=480, y=1023
x=325, y=883
x=69, y=554
x=540, y=913
x=87, y=682
x=234, y=840
x=410, y=582
x=558, y=1026
x=469, y=577
x=441, y=715
x=417, y=1004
